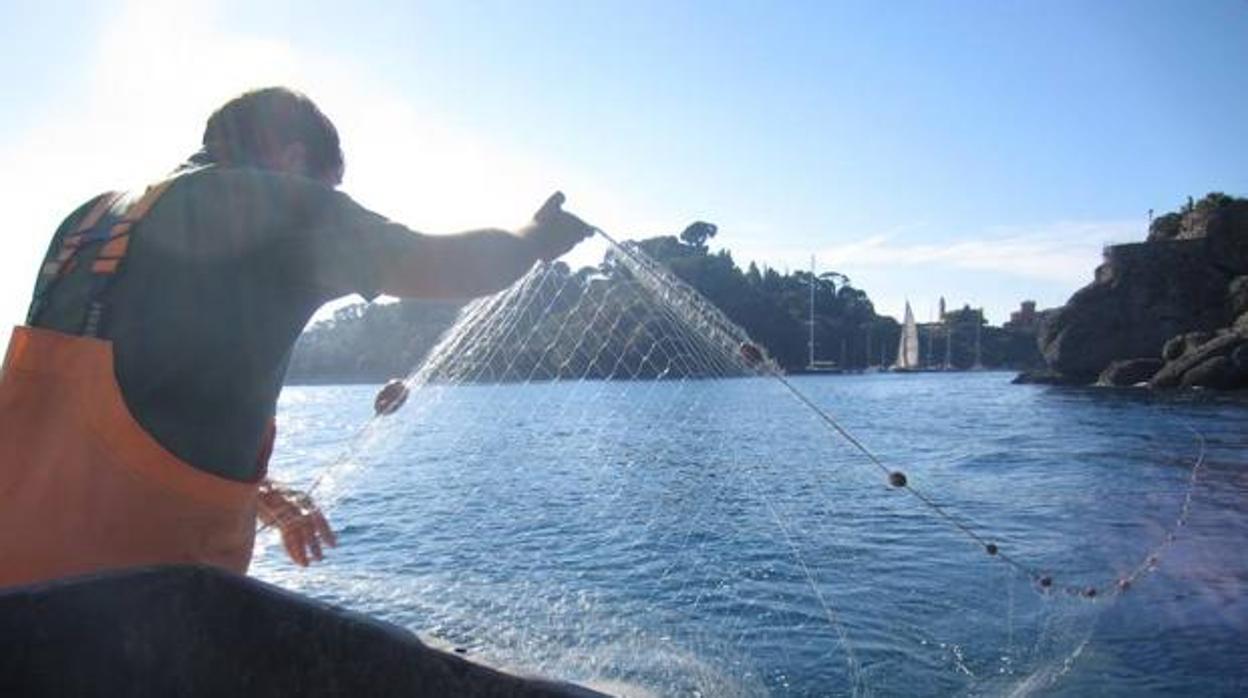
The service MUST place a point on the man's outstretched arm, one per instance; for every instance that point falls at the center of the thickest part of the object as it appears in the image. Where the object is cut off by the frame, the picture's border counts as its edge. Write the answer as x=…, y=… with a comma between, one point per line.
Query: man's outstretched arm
x=479, y=262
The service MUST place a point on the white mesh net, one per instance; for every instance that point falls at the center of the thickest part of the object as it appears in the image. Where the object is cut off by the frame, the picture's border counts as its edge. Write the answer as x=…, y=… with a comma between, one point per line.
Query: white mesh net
x=599, y=477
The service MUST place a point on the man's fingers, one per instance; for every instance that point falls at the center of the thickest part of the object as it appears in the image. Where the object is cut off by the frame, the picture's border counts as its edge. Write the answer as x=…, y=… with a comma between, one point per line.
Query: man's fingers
x=303, y=527
x=322, y=529
x=551, y=207
x=294, y=547
x=314, y=546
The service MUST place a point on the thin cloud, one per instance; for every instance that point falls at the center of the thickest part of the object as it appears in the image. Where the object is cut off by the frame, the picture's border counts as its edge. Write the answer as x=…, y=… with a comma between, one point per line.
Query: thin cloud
x=1063, y=252
x=995, y=267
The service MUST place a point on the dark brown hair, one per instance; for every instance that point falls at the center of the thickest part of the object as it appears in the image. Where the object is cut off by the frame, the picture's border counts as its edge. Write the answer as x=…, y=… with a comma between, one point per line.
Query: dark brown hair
x=252, y=127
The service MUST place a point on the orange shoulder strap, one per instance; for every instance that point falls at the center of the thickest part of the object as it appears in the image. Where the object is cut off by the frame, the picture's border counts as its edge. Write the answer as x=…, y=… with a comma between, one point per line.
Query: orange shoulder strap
x=101, y=239
x=108, y=257
x=72, y=242
x=55, y=266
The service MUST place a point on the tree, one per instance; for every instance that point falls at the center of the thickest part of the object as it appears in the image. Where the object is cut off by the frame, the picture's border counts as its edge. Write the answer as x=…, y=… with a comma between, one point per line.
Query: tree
x=698, y=233
x=835, y=278
x=753, y=276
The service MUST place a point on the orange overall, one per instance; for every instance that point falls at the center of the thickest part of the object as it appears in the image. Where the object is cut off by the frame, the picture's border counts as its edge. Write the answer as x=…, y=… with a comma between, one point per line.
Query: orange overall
x=82, y=486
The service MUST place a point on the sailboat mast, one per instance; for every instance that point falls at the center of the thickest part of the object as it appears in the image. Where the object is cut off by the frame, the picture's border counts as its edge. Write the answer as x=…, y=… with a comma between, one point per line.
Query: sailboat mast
x=948, y=345
x=810, y=344
x=978, y=357
x=866, y=354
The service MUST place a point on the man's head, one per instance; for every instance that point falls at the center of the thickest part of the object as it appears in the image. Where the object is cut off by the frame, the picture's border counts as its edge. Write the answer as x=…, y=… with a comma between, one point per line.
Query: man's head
x=276, y=129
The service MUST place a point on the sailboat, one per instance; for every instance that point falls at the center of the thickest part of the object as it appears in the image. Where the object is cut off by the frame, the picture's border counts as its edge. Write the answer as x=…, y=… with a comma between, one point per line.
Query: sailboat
x=908, y=344
x=813, y=365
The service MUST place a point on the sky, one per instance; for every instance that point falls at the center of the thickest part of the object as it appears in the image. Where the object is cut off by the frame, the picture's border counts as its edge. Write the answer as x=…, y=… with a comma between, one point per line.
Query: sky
x=980, y=151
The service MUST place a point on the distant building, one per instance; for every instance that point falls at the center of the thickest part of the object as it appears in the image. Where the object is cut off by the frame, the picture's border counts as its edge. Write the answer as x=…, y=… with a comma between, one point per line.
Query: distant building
x=966, y=315
x=1025, y=318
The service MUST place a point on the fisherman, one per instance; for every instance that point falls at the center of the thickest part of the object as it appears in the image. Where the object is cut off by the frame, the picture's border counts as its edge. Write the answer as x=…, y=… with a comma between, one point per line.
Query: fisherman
x=137, y=402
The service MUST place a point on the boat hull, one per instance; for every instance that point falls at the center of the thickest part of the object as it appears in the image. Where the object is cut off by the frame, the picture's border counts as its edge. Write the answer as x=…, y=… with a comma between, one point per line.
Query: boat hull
x=198, y=631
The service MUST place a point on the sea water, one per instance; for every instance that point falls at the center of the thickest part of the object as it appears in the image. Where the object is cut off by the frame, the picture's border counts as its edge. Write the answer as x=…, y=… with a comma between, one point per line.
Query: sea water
x=711, y=538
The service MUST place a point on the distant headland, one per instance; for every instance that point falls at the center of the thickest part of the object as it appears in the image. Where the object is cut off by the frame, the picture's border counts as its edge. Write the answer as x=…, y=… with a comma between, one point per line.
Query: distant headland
x=1169, y=312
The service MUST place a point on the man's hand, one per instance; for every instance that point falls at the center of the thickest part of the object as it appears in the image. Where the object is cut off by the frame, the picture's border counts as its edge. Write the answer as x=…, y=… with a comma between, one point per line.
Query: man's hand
x=555, y=231
x=304, y=529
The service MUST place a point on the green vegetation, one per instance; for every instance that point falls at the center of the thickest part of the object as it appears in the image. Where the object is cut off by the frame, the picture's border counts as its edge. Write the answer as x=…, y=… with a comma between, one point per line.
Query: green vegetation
x=775, y=308
x=369, y=342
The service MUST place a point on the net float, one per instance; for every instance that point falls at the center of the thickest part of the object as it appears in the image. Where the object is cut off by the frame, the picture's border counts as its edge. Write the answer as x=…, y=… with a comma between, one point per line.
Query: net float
x=390, y=398
x=751, y=354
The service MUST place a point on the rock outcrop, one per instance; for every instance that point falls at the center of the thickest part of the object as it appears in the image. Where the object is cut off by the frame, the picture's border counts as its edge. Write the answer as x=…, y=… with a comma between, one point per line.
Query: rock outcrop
x=1130, y=372
x=1171, y=311
x=1207, y=364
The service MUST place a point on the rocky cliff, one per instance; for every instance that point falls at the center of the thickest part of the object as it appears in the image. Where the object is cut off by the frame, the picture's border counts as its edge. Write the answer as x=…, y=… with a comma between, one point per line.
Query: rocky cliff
x=1171, y=311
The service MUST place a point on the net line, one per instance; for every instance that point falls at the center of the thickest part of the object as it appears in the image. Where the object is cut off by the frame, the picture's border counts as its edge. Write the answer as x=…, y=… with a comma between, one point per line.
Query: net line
x=727, y=333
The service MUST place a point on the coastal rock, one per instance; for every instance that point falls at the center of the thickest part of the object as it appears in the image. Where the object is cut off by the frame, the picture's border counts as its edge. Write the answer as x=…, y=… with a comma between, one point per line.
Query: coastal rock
x=1217, y=372
x=1239, y=358
x=1237, y=296
x=1172, y=374
x=1144, y=295
x=1225, y=230
x=1180, y=345
x=1173, y=348
x=1165, y=298
x=1129, y=372
x=1165, y=227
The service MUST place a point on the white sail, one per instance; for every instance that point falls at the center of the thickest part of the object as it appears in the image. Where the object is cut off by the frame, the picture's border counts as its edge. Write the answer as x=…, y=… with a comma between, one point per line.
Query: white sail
x=908, y=343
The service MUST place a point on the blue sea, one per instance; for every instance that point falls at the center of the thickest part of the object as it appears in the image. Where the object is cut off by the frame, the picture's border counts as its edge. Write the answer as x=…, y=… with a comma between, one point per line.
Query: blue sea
x=715, y=538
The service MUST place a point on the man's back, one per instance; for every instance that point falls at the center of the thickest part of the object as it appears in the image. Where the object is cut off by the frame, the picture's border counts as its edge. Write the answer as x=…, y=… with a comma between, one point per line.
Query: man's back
x=219, y=279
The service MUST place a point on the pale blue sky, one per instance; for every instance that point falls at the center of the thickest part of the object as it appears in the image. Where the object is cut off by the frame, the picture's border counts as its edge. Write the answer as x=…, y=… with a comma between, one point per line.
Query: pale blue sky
x=979, y=150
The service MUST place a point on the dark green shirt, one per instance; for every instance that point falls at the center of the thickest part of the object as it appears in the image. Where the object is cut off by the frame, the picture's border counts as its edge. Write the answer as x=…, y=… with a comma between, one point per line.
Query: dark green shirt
x=220, y=278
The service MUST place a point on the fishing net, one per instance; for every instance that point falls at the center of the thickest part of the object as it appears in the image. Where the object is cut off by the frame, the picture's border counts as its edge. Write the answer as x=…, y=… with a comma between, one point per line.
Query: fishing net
x=599, y=477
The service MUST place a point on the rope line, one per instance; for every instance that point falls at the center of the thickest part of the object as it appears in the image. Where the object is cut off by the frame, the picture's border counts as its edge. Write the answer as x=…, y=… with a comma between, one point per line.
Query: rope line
x=899, y=480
